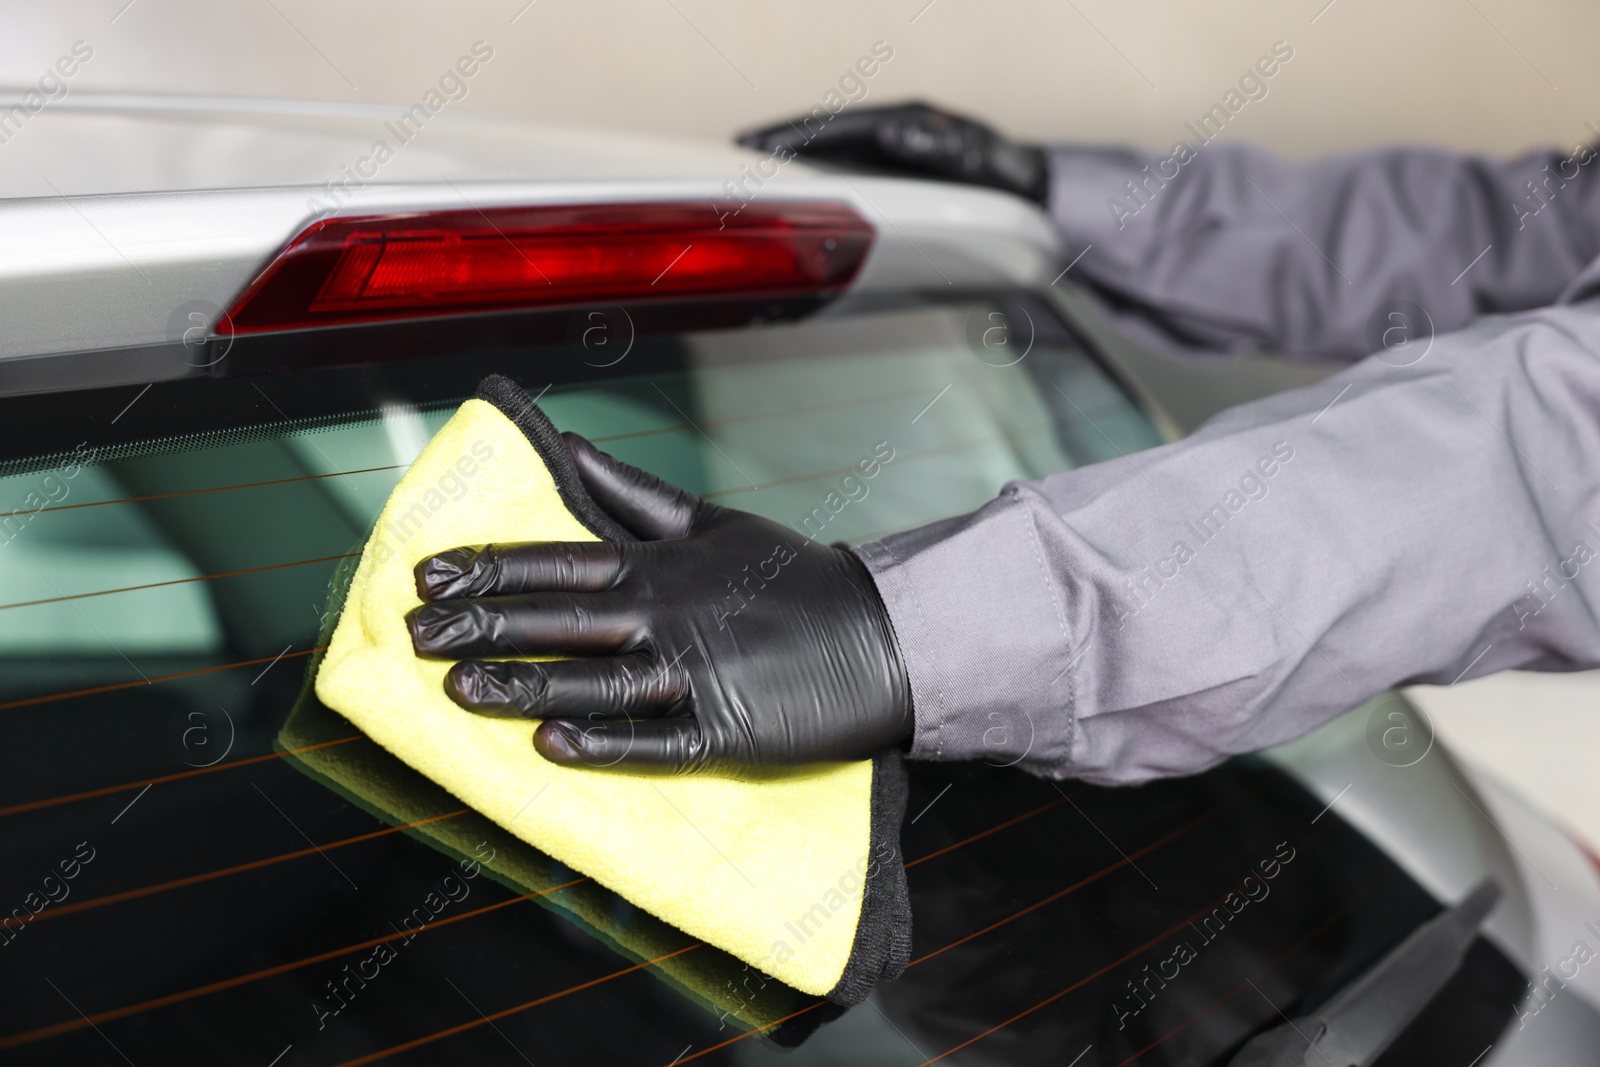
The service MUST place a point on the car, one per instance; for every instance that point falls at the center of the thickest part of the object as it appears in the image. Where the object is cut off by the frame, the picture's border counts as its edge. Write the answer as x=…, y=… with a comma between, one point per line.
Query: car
x=230, y=328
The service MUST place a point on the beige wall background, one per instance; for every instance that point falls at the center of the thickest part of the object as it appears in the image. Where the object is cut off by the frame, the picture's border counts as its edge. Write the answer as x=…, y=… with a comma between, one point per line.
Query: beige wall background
x=1486, y=75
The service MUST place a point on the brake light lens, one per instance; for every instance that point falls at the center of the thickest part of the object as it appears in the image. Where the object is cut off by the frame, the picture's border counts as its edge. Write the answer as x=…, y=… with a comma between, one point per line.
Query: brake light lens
x=446, y=262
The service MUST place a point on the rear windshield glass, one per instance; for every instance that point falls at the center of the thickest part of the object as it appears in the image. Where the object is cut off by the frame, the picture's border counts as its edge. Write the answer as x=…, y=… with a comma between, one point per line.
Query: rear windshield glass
x=211, y=551
x=161, y=605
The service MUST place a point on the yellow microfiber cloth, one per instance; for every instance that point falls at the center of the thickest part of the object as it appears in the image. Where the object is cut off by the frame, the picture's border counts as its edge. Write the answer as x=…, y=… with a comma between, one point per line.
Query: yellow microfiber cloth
x=800, y=877
x=314, y=739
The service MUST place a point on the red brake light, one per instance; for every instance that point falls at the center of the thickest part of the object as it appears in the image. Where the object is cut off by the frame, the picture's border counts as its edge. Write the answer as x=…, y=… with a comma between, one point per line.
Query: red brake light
x=442, y=262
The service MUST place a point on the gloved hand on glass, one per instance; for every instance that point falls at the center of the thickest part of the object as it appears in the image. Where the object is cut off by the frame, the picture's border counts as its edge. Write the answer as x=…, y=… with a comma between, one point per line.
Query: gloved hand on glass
x=719, y=641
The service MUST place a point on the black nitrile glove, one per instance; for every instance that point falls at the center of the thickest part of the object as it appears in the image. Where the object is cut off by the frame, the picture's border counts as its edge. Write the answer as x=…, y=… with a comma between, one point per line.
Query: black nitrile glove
x=915, y=139
x=719, y=641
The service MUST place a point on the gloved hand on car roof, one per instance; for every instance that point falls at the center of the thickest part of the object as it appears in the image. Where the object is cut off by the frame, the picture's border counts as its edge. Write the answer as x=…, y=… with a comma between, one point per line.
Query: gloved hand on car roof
x=916, y=139
x=719, y=641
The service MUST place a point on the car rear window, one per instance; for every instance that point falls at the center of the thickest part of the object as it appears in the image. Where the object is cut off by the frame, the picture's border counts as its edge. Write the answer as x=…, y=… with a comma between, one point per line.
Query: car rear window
x=236, y=849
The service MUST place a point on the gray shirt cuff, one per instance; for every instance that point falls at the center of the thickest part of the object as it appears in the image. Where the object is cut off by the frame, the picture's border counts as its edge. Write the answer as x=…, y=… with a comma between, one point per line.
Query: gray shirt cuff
x=978, y=688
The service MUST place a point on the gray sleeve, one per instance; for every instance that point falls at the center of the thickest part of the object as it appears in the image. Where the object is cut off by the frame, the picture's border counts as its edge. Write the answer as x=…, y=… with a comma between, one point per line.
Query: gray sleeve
x=1153, y=615
x=1228, y=249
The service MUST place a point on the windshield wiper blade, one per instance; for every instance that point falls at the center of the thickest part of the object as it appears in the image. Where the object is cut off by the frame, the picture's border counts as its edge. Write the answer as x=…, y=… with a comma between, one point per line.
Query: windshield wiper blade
x=1362, y=1019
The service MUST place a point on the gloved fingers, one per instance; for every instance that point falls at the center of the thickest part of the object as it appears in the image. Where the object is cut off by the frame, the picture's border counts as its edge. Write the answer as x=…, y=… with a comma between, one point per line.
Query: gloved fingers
x=649, y=507
x=846, y=133
x=670, y=745
x=928, y=137
x=610, y=687
x=535, y=624
x=521, y=567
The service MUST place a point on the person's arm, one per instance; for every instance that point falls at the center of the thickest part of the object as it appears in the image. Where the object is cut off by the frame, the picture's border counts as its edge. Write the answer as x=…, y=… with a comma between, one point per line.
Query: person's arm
x=1153, y=615
x=1225, y=248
